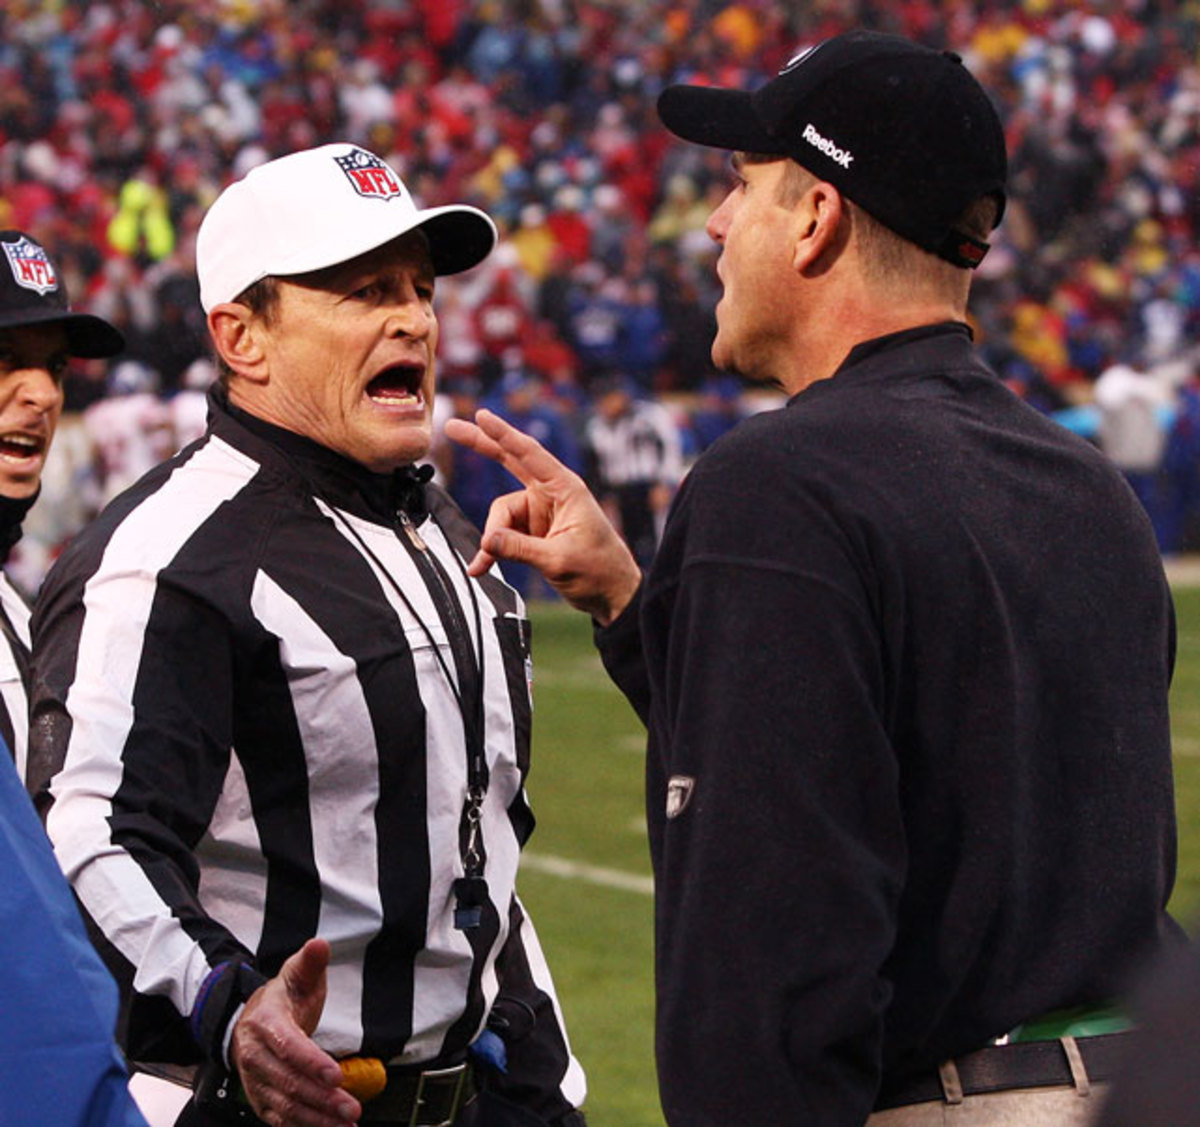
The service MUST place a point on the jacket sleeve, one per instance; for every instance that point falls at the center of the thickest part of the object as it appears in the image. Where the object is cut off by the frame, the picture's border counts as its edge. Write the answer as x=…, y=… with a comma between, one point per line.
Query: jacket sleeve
x=131, y=738
x=541, y=1073
x=620, y=646
x=780, y=874
x=58, y=1060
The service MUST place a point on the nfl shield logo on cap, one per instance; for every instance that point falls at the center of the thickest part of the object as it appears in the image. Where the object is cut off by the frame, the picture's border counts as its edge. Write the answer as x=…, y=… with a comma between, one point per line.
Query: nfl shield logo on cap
x=31, y=266
x=368, y=175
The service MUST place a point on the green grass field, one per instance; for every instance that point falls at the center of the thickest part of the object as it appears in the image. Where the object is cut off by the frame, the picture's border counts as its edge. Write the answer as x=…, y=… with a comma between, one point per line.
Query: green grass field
x=586, y=880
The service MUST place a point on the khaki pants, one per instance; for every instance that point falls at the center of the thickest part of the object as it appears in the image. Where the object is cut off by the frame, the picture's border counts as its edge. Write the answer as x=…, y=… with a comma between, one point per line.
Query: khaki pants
x=1021, y=1107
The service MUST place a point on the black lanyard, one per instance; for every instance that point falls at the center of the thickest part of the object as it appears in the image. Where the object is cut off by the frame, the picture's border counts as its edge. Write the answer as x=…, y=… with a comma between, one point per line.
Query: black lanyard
x=470, y=890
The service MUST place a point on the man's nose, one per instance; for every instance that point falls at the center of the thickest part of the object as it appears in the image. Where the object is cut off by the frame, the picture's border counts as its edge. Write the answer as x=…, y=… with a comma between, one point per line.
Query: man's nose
x=410, y=315
x=39, y=388
x=718, y=222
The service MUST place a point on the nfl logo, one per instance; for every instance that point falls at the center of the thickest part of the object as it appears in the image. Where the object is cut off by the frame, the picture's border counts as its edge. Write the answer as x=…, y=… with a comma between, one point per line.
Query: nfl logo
x=369, y=176
x=30, y=266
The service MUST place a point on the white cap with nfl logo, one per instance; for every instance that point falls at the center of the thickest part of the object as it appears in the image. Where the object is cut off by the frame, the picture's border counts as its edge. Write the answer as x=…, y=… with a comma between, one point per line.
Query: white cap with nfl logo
x=319, y=207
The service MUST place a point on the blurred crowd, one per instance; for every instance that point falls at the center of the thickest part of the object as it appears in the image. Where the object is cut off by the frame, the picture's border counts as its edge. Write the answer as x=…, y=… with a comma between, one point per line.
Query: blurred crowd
x=120, y=120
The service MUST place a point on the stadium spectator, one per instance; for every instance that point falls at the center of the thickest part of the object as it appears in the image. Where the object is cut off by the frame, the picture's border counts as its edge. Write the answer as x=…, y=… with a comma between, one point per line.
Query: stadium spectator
x=635, y=461
x=499, y=323
x=130, y=429
x=469, y=477
x=1181, y=476
x=521, y=398
x=1131, y=433
x=643, y=335
x=717, y=412
x=595, y=320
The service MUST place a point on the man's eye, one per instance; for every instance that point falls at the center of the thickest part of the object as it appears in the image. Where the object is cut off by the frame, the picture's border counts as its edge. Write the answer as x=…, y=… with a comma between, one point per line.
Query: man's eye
x=367, y=292
x=59, y=366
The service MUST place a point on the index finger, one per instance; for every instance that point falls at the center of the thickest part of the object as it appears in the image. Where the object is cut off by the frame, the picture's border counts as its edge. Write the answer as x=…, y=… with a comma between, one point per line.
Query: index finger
x=524, y=457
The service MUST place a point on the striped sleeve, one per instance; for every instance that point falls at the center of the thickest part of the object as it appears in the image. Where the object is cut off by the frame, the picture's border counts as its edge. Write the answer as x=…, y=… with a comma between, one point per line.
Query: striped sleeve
x=131, y=673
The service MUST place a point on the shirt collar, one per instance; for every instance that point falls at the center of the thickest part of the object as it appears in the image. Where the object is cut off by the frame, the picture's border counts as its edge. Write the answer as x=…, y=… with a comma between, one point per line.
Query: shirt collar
x=336, y=478
x=906, y=336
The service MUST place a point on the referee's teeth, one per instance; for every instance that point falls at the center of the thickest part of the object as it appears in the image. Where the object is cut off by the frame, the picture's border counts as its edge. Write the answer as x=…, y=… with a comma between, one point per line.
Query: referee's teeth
x=400, y=384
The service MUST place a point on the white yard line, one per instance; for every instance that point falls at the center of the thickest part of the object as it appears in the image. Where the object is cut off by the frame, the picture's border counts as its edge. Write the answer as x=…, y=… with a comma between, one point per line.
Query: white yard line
x=589, y=874
x=1183, y=571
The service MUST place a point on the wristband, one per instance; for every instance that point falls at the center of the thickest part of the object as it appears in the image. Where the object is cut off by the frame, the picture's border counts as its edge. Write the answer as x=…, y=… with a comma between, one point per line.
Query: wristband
x=224, y=990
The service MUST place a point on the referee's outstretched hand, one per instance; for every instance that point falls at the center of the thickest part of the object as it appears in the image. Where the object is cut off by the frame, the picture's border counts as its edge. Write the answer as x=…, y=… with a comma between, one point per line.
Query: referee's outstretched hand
x=286, y=1077
x=553, y=524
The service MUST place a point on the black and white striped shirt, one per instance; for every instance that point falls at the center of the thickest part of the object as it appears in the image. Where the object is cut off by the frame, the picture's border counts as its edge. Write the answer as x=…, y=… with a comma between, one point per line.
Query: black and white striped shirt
x=640, y=447
x=243, y=702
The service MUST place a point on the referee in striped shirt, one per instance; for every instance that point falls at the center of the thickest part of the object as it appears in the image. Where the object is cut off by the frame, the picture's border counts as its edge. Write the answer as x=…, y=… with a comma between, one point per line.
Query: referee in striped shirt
x=283, y=735
x=39, y=333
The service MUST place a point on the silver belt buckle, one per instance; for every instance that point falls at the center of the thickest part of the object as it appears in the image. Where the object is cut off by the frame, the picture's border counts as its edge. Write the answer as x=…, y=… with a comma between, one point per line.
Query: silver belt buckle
x=460, y=1073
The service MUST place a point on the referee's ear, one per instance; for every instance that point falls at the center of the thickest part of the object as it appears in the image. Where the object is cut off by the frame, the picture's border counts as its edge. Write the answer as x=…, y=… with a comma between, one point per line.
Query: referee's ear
x=235, y=337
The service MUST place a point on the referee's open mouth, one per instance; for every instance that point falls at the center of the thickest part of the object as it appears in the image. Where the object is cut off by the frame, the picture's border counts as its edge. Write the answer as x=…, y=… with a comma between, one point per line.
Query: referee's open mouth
x=399, y=385
x=20, y=447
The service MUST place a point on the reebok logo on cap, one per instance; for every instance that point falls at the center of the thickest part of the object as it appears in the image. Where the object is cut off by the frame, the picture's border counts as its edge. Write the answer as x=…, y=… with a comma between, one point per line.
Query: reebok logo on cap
x=828, y=147
x=369, y=176
x=31, y=266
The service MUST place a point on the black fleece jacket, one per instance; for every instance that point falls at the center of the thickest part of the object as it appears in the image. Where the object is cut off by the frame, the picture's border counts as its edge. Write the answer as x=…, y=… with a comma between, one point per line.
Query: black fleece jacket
x=904, y=657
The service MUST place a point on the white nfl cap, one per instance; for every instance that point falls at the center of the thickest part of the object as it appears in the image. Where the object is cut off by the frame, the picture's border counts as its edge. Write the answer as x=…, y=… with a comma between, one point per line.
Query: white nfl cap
x=319, y=207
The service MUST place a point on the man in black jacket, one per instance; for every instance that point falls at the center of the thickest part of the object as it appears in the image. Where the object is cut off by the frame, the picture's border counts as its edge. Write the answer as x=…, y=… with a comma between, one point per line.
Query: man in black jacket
x=903, y=654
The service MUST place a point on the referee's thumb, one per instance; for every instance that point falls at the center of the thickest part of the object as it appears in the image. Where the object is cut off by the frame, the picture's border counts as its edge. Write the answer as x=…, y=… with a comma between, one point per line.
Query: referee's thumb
x=304, y=976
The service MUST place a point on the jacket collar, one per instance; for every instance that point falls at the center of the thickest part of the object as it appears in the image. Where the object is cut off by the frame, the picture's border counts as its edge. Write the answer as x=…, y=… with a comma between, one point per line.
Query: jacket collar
x=947, y=345
x=339, y=480
x=870, y=348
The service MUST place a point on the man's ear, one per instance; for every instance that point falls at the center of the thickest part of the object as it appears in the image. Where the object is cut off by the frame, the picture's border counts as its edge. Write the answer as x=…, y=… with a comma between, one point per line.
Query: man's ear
x=236, y=335
x=820, y=233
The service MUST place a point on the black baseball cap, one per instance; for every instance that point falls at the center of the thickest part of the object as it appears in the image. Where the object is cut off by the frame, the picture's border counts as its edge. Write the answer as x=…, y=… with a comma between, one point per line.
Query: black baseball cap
x=903, y=130
x=33, y=293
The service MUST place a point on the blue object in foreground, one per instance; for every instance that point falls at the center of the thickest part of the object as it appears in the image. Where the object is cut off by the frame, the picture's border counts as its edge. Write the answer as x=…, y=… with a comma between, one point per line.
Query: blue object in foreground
x=58, y=1004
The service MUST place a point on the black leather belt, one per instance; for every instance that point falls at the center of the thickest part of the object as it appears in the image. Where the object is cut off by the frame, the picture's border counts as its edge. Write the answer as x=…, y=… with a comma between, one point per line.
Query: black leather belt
x=429, y=1098
x=999, y=1068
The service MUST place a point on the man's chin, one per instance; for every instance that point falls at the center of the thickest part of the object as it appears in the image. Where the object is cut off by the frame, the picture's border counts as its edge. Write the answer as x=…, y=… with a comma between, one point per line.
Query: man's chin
x=724, y=361
x=719, y=356
x=413, y=447
x=18, y=488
